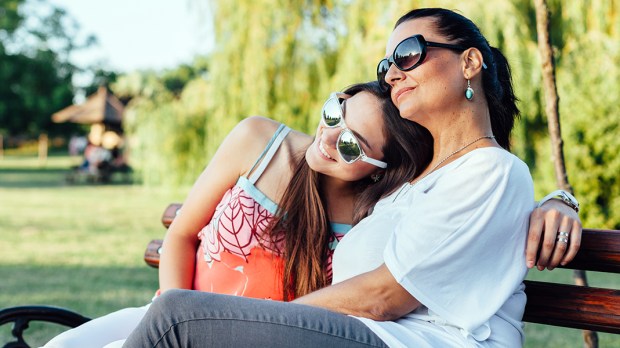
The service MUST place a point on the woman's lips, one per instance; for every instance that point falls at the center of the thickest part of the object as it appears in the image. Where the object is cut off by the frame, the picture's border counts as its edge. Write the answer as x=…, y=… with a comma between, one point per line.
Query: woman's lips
x=402, y=91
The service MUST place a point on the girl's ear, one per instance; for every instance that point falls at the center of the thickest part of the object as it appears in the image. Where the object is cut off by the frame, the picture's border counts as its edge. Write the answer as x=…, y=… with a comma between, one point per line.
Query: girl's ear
x=376, y=176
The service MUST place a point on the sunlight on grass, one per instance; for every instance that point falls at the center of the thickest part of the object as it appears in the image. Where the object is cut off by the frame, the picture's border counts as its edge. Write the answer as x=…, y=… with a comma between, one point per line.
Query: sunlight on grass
x=79, y=247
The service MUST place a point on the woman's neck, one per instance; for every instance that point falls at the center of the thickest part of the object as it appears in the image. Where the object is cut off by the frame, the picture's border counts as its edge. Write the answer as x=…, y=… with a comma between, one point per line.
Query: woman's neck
x=460, y=132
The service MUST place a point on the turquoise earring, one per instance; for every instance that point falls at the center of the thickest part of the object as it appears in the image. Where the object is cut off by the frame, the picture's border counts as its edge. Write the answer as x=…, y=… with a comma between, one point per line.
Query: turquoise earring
x=469, y=92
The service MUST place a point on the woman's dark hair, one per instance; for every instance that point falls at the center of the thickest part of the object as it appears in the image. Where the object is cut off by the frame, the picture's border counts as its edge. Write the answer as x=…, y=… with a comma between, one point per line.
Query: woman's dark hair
x=496, y=79
x=408, y=150
x=301, y=224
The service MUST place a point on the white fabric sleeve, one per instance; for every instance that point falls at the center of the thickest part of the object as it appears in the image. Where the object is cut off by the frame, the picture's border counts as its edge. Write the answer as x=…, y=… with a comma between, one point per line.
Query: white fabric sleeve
x=459, y=250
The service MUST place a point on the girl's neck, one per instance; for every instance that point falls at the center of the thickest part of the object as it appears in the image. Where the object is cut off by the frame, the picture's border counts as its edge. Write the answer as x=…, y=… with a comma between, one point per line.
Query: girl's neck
x=340, y=197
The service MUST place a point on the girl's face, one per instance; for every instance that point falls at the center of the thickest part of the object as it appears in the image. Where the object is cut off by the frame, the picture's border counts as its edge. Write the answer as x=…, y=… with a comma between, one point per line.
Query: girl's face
x=435, y=85
x=363, y=116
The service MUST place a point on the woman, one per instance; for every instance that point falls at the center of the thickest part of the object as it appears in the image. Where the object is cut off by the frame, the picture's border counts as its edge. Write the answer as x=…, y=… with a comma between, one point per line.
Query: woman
x=418, y=270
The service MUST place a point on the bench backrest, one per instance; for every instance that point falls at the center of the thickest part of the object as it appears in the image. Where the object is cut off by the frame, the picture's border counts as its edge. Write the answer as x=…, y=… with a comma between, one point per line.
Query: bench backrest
x=579, y=307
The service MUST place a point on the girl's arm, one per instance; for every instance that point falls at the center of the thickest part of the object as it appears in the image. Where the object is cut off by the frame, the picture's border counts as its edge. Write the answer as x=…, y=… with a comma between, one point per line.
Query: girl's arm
x=233, y=158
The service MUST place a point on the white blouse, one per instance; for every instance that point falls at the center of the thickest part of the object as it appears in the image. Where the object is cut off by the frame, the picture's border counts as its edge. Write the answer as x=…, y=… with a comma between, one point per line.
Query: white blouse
x=455, y=241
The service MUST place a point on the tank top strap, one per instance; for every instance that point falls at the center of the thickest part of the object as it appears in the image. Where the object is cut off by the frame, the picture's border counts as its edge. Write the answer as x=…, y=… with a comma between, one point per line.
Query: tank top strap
x=268, y=153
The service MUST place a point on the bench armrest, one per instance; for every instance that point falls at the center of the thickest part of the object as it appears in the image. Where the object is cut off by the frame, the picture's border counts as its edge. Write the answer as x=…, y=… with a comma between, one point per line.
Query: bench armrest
x=153, y=252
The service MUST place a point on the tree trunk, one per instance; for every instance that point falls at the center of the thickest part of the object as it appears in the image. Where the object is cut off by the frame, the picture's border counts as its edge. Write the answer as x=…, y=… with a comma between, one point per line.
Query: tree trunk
x=553, y=119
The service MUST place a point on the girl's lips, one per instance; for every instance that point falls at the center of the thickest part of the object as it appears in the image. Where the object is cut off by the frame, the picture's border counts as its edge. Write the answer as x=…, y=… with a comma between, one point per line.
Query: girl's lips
x=323, y=151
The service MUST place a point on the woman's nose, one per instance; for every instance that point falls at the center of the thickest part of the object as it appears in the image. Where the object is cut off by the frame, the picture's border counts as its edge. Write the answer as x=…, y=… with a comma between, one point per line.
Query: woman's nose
x=393, y=74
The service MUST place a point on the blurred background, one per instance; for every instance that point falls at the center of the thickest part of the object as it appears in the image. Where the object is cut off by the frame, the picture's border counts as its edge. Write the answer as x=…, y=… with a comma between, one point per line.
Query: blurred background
x=110, y=110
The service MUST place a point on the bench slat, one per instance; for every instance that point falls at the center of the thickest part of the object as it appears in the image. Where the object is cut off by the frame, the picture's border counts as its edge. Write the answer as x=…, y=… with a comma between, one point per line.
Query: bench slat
x=599, y=251
x=153, y=252
x=573, y=306
x=170, y=213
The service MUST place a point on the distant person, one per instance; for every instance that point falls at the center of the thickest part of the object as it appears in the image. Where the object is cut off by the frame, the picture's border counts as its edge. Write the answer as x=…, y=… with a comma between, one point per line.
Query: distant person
x=77, y=144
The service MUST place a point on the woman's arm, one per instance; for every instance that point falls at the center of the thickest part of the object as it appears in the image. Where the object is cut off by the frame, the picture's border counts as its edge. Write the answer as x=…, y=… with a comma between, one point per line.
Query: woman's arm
x=546, y=222
x=233, y=158
x=375, y=295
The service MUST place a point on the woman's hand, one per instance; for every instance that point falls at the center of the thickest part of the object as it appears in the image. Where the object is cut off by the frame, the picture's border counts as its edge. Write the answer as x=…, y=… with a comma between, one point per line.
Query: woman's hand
x=544, y=249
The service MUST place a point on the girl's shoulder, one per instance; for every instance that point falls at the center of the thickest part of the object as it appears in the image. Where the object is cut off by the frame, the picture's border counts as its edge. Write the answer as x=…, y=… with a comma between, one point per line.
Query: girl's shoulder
x=257, y=131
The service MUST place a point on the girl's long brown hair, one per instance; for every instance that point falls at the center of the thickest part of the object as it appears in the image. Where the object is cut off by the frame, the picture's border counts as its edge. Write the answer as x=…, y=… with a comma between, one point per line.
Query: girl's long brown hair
x=301, y=221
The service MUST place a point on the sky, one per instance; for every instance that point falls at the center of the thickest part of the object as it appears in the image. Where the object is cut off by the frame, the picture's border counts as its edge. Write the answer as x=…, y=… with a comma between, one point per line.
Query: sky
x=141, y=34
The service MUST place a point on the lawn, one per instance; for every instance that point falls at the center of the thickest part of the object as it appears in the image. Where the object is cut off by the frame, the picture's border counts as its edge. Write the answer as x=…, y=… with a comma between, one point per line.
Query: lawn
x=81, y=247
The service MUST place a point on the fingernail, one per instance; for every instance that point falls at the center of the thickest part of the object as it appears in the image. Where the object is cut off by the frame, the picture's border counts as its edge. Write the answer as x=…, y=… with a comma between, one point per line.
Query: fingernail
x=530, y=264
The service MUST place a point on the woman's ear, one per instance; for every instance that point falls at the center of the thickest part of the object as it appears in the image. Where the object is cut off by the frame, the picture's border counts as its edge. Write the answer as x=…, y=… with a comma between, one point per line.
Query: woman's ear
x=473, y=62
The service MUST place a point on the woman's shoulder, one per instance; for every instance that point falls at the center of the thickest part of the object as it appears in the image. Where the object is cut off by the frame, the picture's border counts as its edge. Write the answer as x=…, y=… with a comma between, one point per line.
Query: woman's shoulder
x=489, y=166
x=491, y=159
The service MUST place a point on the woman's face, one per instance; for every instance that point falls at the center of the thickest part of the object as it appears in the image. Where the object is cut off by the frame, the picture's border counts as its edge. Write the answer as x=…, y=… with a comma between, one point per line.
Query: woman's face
x=431, y=88
x=363, y=116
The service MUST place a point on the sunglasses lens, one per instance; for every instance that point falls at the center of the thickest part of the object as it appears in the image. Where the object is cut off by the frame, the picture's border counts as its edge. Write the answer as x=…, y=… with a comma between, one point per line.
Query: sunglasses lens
x=332, y=113
x=408, y=53
x=348, y=147
x=382, y=70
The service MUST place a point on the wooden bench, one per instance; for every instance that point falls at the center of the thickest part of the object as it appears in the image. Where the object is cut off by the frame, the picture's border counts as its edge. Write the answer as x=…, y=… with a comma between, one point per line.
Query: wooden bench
x=572, y=306
x=578, y=307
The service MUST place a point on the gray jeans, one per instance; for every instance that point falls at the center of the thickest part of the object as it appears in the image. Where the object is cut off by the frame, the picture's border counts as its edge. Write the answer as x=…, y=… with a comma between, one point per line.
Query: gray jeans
x=184, y=318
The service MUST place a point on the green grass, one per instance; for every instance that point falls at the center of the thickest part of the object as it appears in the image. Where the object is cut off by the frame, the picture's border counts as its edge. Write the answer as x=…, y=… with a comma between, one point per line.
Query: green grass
x=74, y=246
x=81, y=247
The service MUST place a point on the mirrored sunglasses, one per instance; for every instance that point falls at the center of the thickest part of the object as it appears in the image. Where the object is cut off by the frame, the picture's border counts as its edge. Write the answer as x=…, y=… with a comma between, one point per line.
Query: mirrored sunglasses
x=348, y=145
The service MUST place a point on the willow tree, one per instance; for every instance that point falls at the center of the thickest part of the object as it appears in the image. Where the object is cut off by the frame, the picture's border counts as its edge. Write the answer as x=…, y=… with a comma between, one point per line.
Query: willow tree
x=281, y=58
x=589, y=80
x=553, y=116
x=269, y=57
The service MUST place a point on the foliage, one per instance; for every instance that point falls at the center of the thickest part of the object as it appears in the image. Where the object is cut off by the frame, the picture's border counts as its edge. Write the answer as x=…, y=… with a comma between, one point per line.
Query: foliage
x=36, y=42
x=165, y=120
x=281, y=58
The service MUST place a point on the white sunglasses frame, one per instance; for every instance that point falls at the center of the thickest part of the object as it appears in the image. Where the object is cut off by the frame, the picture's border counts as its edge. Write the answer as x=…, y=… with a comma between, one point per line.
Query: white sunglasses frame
x=363, y=157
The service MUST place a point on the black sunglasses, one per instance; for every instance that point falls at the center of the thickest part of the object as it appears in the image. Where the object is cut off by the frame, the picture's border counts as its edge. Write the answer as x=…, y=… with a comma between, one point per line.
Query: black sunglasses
x=408, y=55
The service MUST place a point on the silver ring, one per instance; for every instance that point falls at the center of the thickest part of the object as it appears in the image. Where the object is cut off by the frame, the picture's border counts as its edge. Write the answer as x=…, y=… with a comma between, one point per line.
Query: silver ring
x=562, y=239
x=563, y=234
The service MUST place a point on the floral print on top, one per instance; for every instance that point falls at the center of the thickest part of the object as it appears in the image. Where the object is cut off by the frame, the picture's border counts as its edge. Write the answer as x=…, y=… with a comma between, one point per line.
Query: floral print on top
x=235, y=257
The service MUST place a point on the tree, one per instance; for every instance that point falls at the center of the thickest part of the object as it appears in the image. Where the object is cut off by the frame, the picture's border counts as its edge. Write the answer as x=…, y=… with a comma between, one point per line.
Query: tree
x=281, y=59
x=36, y=71
x=553, y=116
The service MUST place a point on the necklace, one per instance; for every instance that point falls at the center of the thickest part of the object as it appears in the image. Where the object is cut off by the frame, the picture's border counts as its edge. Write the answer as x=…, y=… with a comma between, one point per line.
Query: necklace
x=442, y=161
